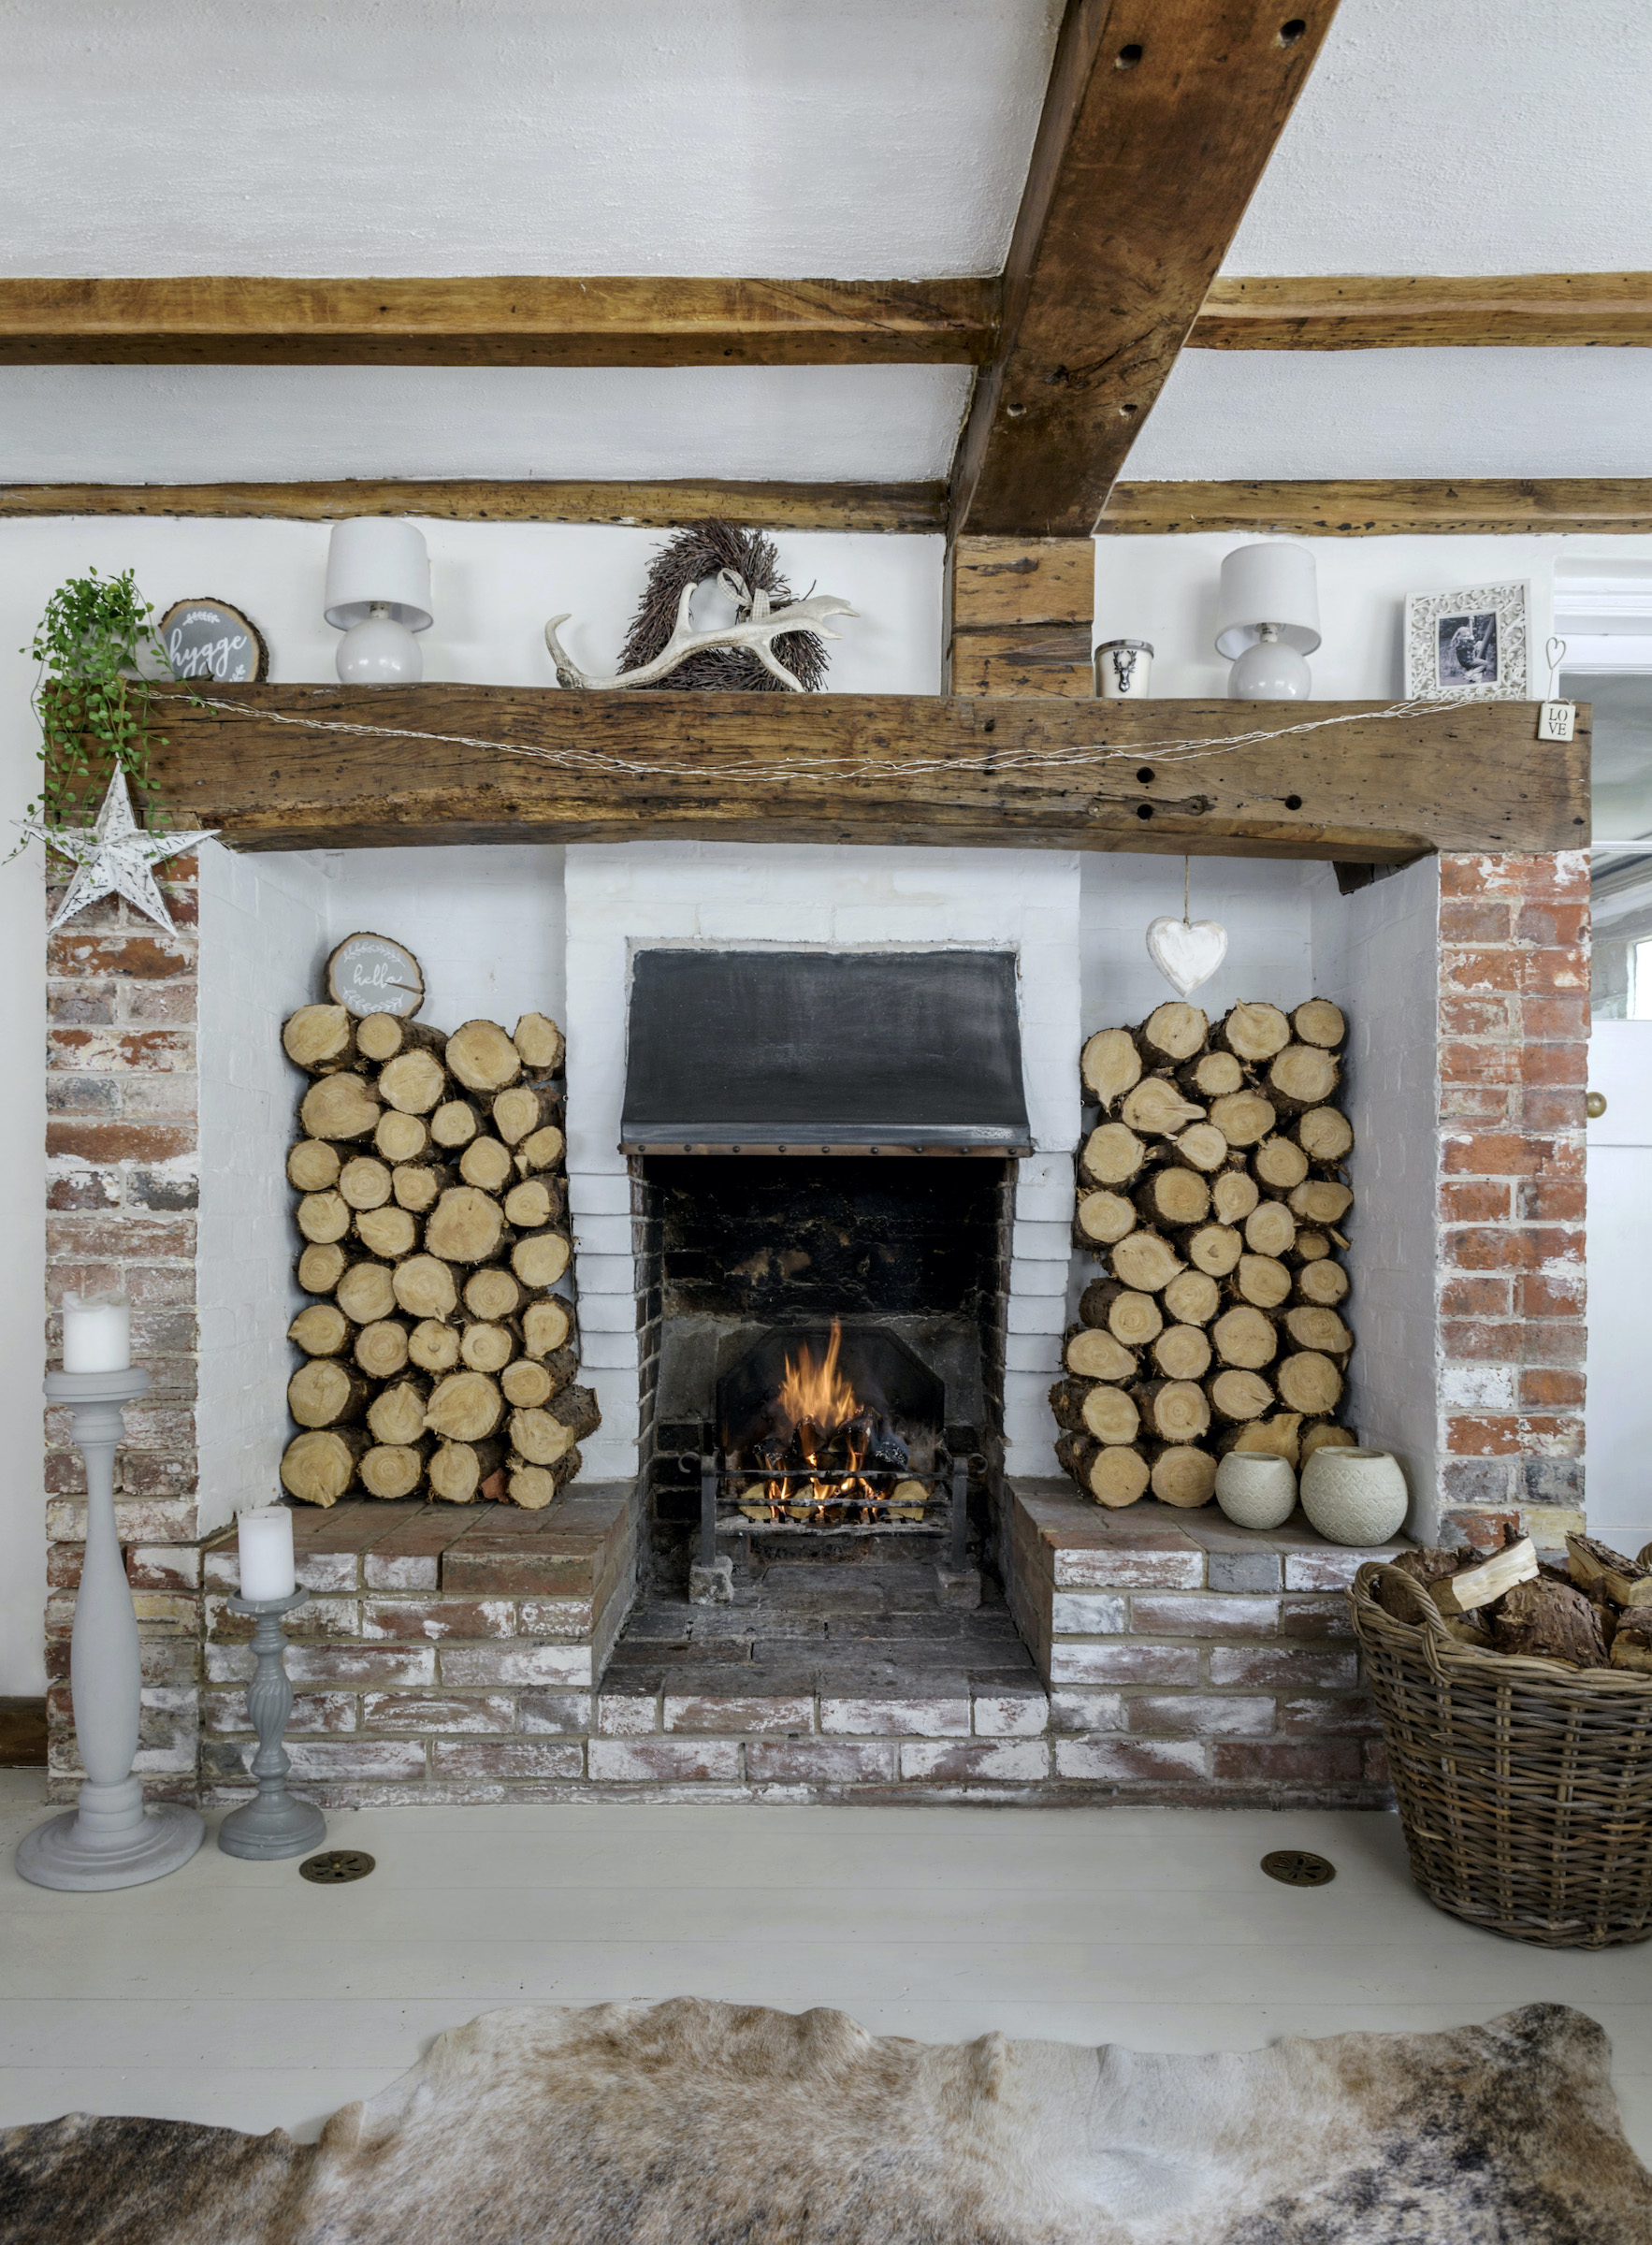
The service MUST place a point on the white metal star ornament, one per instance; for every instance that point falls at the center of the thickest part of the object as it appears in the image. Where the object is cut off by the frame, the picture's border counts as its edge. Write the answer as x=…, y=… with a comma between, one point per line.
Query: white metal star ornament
x=114, y=857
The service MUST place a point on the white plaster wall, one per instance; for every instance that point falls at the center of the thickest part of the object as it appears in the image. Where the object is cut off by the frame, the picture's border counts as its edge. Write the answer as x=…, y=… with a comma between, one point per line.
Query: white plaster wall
x=182, y=424
x=22, y=1163
x=1375, y=954
x=1510, y=410
x=1164, y=590
x=1264, y=904
x=263, y=939
x=622, y=897
x=485, y=923
x=493, y=585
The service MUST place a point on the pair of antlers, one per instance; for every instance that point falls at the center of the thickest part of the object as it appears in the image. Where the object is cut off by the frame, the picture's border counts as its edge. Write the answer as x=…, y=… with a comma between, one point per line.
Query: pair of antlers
x=756, y=633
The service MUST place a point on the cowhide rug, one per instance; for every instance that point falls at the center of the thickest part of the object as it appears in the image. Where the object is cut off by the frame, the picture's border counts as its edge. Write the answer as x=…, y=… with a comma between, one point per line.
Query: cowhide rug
x=700, y=2124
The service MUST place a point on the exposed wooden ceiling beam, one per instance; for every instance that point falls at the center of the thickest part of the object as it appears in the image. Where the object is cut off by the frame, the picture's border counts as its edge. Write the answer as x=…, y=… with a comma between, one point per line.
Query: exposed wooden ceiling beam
x=1355, y=314
x=1158, y=121
x=907, y=507
x=1373, y=787
x=1384, y=509
x=523, y=322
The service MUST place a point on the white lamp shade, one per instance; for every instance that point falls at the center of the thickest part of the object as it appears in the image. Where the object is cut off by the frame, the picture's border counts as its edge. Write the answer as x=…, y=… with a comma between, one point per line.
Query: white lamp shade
x=373, y=561
x=1268, y=582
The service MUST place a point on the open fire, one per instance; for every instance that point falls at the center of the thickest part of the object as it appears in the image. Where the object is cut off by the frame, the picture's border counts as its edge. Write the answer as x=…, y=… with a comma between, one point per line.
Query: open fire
x=825, y=1456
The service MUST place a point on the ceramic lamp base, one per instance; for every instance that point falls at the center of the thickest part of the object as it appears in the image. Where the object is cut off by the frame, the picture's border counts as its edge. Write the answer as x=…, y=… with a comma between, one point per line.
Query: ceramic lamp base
x=73, y=1854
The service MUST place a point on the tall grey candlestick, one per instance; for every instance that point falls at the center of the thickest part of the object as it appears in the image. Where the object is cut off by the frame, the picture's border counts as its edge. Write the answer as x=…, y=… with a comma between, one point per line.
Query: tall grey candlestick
x=109, y=1839
x=275, y=1824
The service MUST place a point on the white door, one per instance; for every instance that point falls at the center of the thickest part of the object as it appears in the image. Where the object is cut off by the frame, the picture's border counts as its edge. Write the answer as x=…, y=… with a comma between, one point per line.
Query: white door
x=1618, y=1415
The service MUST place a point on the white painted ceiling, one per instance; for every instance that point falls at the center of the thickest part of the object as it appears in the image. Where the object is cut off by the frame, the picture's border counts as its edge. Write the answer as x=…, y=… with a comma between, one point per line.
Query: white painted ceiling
x=866, y=138
x=860, y=139
x=1465, y=136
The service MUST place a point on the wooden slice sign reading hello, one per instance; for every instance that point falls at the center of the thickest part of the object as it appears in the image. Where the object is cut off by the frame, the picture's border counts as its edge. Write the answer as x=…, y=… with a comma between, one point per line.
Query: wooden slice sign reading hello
x=374, y=974
x=210, y=639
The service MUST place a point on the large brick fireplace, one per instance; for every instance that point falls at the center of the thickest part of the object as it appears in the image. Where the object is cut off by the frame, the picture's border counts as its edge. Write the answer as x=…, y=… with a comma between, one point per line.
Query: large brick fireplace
x=458, y=1653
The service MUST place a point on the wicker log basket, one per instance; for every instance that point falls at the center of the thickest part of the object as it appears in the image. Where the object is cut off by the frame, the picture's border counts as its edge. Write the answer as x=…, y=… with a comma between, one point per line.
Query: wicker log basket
x=1523, y=1786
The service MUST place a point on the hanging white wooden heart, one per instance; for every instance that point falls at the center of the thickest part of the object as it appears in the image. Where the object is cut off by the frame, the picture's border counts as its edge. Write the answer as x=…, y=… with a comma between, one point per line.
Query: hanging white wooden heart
x=1186, y=951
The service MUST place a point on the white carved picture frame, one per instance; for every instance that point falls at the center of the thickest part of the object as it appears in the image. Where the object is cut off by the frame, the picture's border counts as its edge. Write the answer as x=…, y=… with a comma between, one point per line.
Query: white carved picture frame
x=1471, y=644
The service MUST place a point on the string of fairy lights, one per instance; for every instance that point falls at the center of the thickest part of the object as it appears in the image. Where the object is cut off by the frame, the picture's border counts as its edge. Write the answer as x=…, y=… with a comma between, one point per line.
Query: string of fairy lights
x=849, y=765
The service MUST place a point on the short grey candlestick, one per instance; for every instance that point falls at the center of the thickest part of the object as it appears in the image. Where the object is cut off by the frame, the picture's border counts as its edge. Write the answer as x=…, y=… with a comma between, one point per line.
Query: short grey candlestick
x=109, y=1839
x=275, y=1824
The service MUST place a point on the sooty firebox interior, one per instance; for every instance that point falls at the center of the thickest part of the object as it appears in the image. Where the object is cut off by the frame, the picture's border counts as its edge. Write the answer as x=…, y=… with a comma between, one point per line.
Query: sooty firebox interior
x=830, y=1331
x=824, y=1145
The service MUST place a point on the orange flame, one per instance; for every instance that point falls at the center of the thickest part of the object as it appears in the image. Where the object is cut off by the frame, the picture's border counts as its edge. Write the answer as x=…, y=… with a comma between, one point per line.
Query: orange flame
x=817, y=1394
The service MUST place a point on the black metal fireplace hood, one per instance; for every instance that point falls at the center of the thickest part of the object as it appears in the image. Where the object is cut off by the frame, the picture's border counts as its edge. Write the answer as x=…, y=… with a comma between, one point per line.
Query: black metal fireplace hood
x=774, y=1052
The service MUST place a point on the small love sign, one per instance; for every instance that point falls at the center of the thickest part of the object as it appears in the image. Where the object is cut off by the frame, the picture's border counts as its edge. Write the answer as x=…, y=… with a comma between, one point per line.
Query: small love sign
x=210, y=639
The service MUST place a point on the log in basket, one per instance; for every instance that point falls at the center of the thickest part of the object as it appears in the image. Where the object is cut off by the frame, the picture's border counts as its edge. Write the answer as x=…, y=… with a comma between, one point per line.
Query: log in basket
x=1523, y=1786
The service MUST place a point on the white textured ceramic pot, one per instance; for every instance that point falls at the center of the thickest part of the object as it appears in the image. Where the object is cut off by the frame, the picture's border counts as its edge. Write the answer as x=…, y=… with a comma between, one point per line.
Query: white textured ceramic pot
x=1356, y=1497
x=1255, y=1488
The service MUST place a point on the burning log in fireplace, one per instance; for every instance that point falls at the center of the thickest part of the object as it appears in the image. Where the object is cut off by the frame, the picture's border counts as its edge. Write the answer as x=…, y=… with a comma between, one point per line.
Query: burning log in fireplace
x=821, y=1430
x=827, y=1457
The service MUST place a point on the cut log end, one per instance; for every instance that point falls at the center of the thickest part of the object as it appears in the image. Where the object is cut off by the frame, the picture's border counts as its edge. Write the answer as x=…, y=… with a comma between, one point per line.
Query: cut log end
x=526, y=1108
x=464, y=1407
x=314, y=1165
x=392, y=1469
x=1103, y=1218
x=1156, y=1109
x=1319, y=1023
x=341, y=1107
x=1108, y=1066
x=318, y=1467
x=1233, y=1195
x=415, y=1082
x=1253, y=1032
x=1113, y=1155
x=1184, y=1477
x=1093, y=1354
x=1174, y=1030
x=467, y=1226
x=538, y=1041
x=319, y=1038
x=482, y=1057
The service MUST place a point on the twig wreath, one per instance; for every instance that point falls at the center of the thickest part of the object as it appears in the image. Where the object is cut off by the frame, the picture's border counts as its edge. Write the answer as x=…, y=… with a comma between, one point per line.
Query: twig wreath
x=757, y=654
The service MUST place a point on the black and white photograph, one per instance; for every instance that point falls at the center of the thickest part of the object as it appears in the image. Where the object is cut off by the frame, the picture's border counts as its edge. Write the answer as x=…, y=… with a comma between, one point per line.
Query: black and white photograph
x=1468, y=644
x=1466, y=649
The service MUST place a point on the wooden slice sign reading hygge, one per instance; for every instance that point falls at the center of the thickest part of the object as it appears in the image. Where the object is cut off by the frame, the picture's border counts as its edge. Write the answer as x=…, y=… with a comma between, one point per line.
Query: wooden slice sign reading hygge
x=374, y=974
x=210, y=639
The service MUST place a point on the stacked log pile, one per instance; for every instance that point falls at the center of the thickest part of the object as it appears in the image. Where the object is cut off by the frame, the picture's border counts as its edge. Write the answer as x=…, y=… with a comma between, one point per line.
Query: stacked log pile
x=1594, y=1613
x=437, y=1361
x=1211, y=1190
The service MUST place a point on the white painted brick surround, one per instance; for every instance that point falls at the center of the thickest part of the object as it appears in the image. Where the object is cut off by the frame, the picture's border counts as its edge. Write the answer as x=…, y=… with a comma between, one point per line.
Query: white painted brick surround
x=625, y=898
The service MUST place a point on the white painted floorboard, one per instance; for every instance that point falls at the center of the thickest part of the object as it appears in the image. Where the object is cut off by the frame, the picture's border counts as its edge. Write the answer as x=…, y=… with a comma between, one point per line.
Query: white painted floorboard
x=238, y=1993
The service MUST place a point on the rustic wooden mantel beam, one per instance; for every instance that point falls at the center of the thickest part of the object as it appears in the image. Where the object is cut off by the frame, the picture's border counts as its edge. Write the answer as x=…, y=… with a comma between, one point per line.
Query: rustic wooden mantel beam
x=526, y=321
x=419, y=765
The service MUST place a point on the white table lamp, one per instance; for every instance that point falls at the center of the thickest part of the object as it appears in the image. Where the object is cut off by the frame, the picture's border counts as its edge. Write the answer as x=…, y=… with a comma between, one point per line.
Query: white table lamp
x=1267, y=620
x=378, y=594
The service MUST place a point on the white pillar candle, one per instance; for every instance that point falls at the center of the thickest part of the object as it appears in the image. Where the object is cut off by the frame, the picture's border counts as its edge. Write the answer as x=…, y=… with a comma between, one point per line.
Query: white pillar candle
x=96, y=1336
x=265, y=1539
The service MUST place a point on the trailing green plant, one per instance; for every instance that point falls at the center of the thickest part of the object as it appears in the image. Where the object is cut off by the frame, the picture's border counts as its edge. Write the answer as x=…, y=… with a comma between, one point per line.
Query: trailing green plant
x=93, y=704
